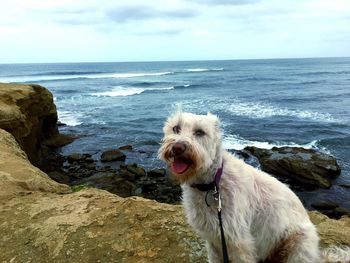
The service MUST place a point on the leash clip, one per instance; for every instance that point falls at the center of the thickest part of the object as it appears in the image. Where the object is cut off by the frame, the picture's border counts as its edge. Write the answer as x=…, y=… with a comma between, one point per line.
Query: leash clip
x=217, y=197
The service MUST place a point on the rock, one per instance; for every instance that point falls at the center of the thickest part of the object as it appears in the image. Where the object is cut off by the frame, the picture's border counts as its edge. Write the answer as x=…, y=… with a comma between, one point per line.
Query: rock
x=331, y=231
x=126, y=147
x=156, y=173
x=136, y=170
x=76, y=157
x=128, y=175
x=113, y=155
x=59, y=177
x=94, y=226
x=331, y=209
x=113, y=184
x=61, y=124
x=325, y=205
x=345, y=185
x=29, y=114
x=304, y=166
x=59, y=140
x=18, y=175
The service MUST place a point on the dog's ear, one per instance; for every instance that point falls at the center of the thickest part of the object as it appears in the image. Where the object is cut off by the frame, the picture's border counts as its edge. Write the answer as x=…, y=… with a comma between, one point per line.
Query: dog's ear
x=214, y=119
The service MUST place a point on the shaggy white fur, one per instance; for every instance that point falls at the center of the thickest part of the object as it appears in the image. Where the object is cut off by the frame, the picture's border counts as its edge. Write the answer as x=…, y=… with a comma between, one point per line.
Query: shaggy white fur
x=264, y=221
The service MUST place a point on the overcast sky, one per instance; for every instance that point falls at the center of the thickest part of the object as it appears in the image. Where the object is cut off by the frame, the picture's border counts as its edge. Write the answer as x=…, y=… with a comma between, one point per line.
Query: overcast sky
x=129, y=30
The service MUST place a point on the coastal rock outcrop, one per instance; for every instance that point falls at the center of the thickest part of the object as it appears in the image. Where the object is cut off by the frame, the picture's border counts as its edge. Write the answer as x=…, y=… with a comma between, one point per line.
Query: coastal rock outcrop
x=29, y=114
x=307, y=167
x=18, y=176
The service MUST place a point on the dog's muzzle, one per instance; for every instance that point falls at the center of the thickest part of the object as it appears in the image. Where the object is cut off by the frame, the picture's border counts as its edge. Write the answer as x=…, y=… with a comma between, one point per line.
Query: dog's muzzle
x=181, y=160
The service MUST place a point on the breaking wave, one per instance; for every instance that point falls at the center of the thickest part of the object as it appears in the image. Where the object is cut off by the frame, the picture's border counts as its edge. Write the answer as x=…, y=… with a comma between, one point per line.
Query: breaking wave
x=261, y=110
x=68, y=118
x=121, y=91
x=235, y=142
x=79, y=75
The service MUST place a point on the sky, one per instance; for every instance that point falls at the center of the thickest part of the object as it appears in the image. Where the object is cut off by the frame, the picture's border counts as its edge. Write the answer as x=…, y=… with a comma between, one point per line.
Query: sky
x=165, y=30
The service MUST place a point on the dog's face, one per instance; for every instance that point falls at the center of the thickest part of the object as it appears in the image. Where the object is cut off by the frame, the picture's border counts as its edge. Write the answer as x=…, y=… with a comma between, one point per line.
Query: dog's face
x=191, y=144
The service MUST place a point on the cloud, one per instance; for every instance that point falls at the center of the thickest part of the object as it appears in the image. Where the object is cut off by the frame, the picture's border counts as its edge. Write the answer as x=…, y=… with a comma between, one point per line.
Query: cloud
x=227, y=2
x=132, y=13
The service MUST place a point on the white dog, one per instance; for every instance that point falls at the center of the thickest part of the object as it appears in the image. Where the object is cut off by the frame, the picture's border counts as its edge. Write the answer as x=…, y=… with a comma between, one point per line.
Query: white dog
x=263, y=220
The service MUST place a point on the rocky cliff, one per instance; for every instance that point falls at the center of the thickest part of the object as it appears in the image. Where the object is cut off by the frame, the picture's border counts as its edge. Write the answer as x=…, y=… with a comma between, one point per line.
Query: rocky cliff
x=44, y=221
x=29, y=114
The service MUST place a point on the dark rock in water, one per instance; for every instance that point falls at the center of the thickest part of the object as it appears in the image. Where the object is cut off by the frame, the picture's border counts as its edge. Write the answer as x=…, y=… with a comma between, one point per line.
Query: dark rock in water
x=113, y=155
x=325, y=205
x=156, y=173
x=60, y=124
x=136, y=170
x=345, y=185
x=59, y=140
x=246, y=157
x=59, y=177
x=75, y=157
x=304, y=166
x=149, y=186
x=126, y=147
x=112, y=182
x=89, y=160
x=330, y=209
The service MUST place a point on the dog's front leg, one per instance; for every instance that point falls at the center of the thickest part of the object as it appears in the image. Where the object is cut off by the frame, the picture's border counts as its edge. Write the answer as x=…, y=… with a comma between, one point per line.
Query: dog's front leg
x=214, y=253
x=242, y=251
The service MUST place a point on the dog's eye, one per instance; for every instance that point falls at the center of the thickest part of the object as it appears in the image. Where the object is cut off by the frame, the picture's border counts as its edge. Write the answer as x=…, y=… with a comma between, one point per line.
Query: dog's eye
x=176, y=129
x=199, y=133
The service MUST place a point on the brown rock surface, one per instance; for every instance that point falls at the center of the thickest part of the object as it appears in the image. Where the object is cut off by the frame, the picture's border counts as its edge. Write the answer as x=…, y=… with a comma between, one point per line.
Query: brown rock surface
x=29, y=114
x=17, y=175
x=95, y=226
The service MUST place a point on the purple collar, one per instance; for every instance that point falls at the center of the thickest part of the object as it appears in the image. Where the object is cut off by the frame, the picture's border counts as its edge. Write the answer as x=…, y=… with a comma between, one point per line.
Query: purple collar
x=214, y=185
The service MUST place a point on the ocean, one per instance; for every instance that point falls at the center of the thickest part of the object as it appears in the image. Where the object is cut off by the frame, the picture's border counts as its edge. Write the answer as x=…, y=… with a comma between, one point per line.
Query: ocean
x=263, y=103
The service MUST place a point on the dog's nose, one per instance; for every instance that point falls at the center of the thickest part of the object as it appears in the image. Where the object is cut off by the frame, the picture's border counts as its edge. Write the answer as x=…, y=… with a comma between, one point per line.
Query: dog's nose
x=178, y=148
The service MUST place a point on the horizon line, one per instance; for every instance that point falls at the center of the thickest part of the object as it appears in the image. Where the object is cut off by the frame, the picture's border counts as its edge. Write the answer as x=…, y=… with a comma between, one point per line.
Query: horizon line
x=157, y=61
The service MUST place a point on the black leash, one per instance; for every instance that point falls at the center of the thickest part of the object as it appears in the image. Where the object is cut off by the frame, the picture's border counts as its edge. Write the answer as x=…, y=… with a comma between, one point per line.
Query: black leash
x=223, y=241
x=214, y=186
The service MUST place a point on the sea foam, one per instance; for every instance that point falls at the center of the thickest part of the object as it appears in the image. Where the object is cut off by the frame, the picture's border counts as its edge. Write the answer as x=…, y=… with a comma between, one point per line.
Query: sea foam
x=37, y=78
x=203, y=69
x=121, y=91
x=235, y=142
x=261, y=110
x=68, y=118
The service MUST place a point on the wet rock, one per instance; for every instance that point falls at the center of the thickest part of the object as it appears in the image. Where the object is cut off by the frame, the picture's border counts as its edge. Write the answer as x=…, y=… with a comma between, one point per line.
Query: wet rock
x=59, y=140
x=331, y=209
x=89, y=160
x=345, y=185
x=156, y=173
x=136, y=170
x=59, y=177
x=126, y=147
x=149, y=186
x=306, y=167
x=116, y=185
x=113, y=155
x=325, y=205
x=61, y=124
x=128, y=175
x=75, y=157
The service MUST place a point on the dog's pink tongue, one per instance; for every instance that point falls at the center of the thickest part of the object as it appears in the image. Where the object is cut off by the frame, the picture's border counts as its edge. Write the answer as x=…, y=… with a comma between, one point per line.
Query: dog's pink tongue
x=179, y=167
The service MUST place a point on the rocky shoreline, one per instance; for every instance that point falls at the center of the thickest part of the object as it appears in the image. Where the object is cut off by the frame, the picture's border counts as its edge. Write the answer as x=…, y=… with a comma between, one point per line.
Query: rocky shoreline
x=43, y=220
x=302, y=169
